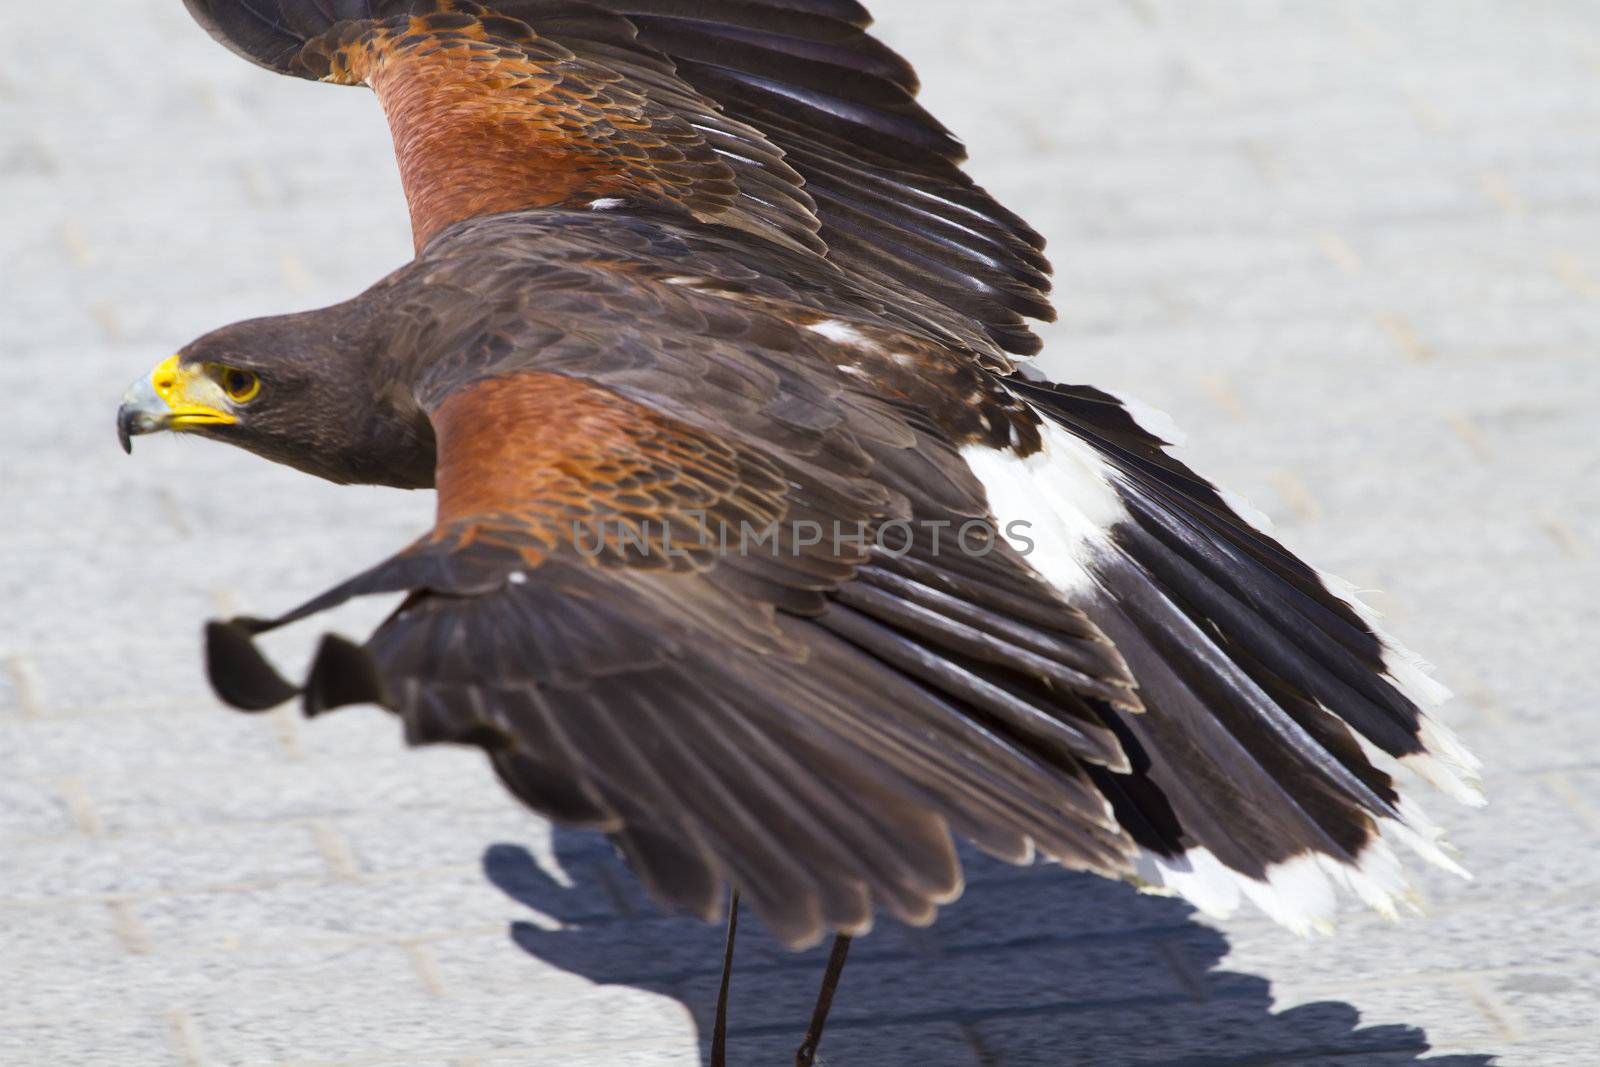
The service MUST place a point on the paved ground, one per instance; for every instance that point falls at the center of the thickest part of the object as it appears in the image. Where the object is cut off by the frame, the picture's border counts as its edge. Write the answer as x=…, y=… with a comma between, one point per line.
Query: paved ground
x=1354, y=247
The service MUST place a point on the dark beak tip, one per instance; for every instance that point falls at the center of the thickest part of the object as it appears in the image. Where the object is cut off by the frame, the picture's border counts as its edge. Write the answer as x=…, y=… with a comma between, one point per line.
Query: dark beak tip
x=125, y=430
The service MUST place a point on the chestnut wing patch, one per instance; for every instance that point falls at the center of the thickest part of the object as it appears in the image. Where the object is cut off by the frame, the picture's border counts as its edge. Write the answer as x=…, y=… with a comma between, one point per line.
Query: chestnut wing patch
x=542, y=463
x=490, y=116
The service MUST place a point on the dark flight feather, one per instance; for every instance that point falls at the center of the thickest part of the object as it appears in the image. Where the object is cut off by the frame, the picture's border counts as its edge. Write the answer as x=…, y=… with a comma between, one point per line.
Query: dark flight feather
x=881, y=176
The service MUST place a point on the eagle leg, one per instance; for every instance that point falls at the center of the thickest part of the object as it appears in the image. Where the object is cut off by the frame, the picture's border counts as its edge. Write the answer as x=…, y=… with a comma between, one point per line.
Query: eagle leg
x=719, y=1029
x=806, y=1054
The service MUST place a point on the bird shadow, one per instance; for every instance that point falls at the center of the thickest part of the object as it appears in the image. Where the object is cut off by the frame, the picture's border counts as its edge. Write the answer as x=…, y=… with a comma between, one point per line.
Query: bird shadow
x=1038, y=967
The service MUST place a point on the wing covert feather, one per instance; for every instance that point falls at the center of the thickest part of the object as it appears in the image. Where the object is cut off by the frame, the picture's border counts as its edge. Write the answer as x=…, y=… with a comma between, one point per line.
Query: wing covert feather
x=785, y=120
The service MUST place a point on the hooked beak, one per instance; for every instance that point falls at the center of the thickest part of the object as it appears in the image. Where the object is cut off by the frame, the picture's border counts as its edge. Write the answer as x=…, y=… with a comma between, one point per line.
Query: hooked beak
x=170, y=397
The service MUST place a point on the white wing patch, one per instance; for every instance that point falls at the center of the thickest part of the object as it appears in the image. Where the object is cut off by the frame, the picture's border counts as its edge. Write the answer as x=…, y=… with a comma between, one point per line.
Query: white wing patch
x=842, y=333
x=1056, y=507
x=1301, y=892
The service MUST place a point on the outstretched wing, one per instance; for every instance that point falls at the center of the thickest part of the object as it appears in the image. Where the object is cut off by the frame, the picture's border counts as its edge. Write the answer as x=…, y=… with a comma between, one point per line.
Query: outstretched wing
x=779, y=117
x=683, y=630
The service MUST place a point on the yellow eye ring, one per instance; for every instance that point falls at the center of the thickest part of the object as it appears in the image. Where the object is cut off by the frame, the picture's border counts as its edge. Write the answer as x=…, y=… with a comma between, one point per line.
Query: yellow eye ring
x=240, y=385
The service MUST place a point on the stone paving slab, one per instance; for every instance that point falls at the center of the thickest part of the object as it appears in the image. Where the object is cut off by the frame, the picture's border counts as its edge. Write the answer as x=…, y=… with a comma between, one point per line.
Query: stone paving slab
x=1353, y=246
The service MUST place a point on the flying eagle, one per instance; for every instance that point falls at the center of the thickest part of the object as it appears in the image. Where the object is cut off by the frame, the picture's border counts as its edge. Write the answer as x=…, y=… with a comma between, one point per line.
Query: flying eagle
x=759, y=546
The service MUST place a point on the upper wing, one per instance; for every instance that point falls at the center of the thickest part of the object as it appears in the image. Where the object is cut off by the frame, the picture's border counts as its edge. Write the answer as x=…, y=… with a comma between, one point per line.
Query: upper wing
x=779, y=117
x=682, y=630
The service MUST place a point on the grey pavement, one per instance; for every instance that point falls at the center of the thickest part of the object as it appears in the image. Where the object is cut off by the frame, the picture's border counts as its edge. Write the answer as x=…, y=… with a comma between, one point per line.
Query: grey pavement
x=1353, y=247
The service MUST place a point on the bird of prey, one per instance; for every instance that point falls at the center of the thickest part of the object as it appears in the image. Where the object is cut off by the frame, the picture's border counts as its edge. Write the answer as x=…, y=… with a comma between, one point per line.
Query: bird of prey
x=759, y=545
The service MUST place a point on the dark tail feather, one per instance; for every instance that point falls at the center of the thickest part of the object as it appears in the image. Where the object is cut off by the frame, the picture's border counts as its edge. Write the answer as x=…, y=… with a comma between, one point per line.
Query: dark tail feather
x=1275, y=708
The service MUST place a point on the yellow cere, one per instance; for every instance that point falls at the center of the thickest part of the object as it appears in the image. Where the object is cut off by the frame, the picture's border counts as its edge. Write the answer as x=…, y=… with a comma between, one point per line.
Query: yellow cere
x=195, y=399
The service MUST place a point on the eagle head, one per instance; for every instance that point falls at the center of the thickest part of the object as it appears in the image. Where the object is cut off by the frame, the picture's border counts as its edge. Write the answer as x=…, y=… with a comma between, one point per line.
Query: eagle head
x=296, y=389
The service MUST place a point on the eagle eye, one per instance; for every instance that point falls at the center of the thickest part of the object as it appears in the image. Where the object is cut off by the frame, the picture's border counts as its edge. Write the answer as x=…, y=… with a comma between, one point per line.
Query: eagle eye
x=240, y=385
